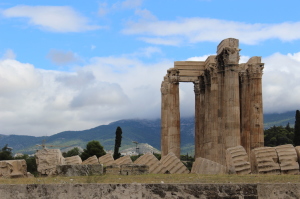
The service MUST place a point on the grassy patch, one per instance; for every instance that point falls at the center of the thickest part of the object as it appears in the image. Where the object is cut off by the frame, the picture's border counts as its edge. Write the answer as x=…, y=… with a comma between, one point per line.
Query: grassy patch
x=158, y=178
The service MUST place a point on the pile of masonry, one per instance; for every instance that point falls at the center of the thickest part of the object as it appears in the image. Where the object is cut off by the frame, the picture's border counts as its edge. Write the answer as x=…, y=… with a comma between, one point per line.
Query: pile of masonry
x=282, y=159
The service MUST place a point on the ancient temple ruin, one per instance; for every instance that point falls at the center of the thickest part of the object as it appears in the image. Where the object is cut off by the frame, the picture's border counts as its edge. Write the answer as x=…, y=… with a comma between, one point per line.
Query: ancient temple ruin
x=228, y=103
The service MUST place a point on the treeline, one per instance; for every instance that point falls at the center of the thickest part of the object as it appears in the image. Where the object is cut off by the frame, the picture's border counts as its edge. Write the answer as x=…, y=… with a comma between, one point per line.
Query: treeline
x=279, y=135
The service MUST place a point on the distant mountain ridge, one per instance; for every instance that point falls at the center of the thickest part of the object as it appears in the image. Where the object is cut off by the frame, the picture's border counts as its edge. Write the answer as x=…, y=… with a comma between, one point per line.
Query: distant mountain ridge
x=140, y=130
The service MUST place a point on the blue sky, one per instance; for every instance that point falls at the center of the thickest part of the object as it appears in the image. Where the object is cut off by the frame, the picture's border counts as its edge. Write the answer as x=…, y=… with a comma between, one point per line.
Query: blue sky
x=73, y=65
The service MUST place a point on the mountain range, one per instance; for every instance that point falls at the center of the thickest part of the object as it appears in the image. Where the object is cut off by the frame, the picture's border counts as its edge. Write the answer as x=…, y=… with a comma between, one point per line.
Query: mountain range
x=138, y=130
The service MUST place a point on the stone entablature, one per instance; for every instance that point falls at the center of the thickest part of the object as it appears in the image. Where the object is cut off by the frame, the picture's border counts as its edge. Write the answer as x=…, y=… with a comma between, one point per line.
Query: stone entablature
x=228, y=103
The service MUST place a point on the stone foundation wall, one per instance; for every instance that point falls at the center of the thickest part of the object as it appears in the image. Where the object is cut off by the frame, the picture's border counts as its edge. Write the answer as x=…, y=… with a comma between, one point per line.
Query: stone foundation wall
x=134, y=190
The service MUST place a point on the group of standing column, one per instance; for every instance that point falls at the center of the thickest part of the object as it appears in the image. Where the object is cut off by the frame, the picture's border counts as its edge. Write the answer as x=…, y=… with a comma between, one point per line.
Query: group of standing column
x=228, y=105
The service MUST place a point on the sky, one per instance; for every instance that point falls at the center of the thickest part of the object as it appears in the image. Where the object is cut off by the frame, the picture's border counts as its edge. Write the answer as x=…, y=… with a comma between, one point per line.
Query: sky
x=74, y=65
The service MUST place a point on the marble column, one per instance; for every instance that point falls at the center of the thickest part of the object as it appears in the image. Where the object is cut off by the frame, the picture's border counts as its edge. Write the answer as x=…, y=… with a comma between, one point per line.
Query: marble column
x=164, y=116
x=174, y=119
x=256, y=106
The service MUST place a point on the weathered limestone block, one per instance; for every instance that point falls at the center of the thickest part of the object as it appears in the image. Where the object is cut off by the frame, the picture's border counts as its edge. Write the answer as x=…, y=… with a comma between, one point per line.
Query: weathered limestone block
x=287, y=159
x=113, y=169
x=205, y=166
x=264, y=160
x=134, y=169
x=171, y=164
x=79, y=170
x=91, y=160
x=13, y=168
x=237, y=160
x=73, y=160
x=297, y=148
x=47, y=159
x=150, y=160
x=123, y=160
x=106, y=159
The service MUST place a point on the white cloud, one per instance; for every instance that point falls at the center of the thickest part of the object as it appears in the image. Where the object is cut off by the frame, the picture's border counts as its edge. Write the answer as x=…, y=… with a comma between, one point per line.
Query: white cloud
x=62, y=57
x=51, y=18
x=9, y=54
x=40, y=102
x=104, y=8
x=193, y=30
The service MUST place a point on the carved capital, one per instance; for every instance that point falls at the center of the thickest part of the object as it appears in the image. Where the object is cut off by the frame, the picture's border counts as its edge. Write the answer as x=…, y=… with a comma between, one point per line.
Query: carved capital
x=228, y=56
x=197, y=87
x=173, y=75
x=255, y=70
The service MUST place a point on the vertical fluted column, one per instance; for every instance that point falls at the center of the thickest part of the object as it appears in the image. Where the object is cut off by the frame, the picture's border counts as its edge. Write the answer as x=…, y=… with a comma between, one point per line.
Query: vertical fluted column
x=232, y=106
x=164, y=116
x=214, y=147
x=174, y=119
x=256, y=106
x=229, y=105
x=207, y=136
x=221, y=116
x=197, y=118
x=245, y=111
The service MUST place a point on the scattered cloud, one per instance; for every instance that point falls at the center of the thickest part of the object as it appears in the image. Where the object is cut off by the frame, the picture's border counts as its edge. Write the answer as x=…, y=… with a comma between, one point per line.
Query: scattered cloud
x=194, y=30
x=59, y=57
x=51, y=18
x=9, y=54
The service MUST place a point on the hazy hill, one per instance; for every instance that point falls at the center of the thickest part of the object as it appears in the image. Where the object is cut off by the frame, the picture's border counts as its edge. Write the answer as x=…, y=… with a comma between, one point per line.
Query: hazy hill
x=142, y=131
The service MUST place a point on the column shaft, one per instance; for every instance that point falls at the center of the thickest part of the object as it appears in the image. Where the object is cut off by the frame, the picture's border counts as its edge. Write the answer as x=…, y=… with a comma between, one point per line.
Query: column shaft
x=174, y=120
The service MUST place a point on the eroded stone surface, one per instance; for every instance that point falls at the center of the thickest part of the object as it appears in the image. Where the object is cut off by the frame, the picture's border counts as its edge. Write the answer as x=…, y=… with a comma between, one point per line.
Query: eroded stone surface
x=106, y=159
x=113, y=169
x=237, y=160
x=13, y=168
x=123, y=160
x=205, y=166
x=134, y=169
x=79, y=170
x=150, y=160
x=91, y=160
x=264, y=160
x=171, y=164
x=288, y=159
x=124, y=191
x=47, y=159
x=73, y=160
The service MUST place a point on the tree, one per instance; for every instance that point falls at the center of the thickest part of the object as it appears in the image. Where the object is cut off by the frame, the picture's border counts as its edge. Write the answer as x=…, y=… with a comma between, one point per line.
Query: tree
x=297, y=129
x=118, y=141
x=6, y=154
x=72, y=152
x=278, y=135
x=92, y=148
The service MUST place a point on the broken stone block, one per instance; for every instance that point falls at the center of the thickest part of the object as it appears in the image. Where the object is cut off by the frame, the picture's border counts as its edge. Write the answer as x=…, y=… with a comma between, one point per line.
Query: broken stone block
x=47, y=159
x=13, y=168
x=106, y=159
x=150, y=160
x=237, y=161
x=123, y=160
x=91, y=160
x=288, y=159
x=264, y=160
x=134, y=169
x=297, y=148
x=73, y=160
x=205, y=166
x=79, y=170
x=171, y=164
x=113, y=169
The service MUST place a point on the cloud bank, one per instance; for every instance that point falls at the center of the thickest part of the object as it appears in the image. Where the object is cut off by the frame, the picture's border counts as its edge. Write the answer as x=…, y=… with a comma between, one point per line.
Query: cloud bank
x=194, y=30
x=51, y=18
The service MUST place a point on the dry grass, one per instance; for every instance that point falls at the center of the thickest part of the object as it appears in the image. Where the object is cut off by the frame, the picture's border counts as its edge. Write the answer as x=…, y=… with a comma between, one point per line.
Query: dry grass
x=158, y=178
